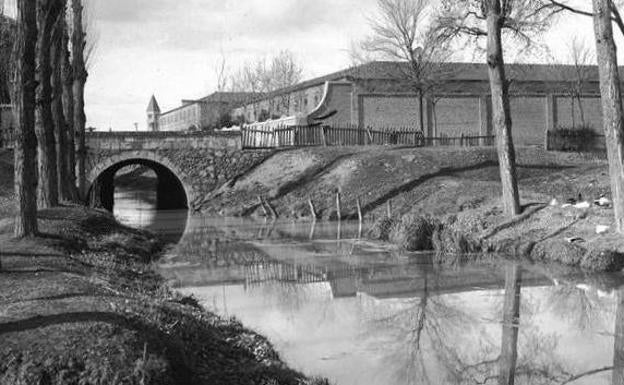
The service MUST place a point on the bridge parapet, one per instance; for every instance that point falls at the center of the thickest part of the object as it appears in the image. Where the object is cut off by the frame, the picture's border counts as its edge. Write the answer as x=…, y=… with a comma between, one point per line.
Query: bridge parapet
x=151, y=141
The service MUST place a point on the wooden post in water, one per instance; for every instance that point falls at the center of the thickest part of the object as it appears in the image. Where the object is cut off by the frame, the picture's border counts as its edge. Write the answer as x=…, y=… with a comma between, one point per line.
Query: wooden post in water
x=261, y=202
x=312, y=209
x=359, y=211
x=338, y=213
x=271, y=209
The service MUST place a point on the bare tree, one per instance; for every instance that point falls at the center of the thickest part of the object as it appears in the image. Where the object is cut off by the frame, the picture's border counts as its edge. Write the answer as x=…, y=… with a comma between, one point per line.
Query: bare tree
x=80, y=74
x=611, y=103
x=604, y=14
x=263, y=76
x=474, y=19
x=26, y=143
x=401, y=32
x=220, y=69
x=580, y=57
x=68, y=112
x=48, y=13
x=65, y=182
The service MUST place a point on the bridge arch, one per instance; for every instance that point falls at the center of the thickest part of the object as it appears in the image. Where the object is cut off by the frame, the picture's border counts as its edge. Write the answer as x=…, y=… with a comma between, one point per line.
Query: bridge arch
x=174, y=191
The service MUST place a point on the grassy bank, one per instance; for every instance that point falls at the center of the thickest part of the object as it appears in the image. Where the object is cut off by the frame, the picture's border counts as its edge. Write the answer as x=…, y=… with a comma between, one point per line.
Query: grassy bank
x=444, y=199
x=82, y=304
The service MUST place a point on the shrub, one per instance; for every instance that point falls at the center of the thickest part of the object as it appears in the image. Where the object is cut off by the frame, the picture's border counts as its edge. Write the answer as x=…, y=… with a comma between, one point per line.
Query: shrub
x=576, y=139
x=413, y=233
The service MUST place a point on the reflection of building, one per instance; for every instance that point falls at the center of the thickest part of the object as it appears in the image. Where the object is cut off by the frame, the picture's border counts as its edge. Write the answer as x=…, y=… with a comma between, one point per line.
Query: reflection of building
x=7, y=125
x=377, y=94
x=208, y=112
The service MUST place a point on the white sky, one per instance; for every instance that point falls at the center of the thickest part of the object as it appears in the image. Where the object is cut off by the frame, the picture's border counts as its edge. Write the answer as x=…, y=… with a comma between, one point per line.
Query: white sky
x=169, y=47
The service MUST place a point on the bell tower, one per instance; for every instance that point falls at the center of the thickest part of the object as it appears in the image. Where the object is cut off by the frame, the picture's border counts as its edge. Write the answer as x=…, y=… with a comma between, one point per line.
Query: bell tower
x=153, y=115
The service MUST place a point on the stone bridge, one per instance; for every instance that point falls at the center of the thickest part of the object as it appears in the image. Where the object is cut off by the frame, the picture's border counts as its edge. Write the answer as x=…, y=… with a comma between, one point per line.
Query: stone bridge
x=188, y=165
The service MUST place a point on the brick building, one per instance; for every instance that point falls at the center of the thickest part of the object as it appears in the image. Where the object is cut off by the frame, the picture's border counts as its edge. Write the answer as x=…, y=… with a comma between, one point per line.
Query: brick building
x=376, y=94
x=194, y=115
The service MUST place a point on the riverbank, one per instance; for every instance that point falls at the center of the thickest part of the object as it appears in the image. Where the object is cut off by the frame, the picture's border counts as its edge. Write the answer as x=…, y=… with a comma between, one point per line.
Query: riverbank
x=82, y=303
x=443, y=199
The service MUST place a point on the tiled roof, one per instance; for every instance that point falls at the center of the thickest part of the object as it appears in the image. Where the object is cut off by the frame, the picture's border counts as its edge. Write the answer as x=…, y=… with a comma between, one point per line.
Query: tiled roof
x=380, y=70
x=230, y=97
x=153, y=105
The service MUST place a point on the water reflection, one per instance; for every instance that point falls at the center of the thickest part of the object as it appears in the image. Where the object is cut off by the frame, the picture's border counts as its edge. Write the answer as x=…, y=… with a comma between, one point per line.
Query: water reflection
x=137, y=208
x=359, y=313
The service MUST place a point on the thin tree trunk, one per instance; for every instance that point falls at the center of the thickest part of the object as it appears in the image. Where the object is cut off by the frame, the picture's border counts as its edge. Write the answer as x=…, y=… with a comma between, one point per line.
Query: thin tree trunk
x=60, y=127
x=26, y=143
x=501, y=111
x=80, y=78
x=511, y=322
x=47, y=196
x=617, y=376
x=421, y=118
x=68, y=111
x=611, y=104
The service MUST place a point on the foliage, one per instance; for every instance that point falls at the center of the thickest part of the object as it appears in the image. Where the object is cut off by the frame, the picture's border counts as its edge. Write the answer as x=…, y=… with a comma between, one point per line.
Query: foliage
x=264, y=116
x=573, y=139
x=224, y=120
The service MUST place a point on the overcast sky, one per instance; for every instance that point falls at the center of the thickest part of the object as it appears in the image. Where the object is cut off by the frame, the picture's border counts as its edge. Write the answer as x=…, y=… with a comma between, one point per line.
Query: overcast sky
x=169, y=47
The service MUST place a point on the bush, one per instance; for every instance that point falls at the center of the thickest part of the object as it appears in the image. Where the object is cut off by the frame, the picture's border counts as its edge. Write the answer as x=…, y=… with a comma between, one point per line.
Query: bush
x=413, y=233
x=579, y=139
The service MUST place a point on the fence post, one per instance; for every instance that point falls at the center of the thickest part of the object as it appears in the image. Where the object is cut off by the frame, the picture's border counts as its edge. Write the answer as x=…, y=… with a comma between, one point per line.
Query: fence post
x=324, y=132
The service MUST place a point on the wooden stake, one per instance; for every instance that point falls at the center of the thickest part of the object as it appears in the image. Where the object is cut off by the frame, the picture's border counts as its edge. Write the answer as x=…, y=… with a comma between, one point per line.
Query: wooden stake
x=271, y=209
x=338, y=213
x=389, y=209
x=266, y=213
x=359, y=210
x=312, y=209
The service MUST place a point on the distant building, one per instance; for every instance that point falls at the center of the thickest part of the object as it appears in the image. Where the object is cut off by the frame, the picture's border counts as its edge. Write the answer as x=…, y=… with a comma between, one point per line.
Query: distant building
x=153, y=115
x=377, y=95
x=194, y=115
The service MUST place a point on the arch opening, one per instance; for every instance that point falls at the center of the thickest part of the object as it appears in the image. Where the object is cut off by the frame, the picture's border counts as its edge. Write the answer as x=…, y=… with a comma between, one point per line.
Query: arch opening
x=170, y=191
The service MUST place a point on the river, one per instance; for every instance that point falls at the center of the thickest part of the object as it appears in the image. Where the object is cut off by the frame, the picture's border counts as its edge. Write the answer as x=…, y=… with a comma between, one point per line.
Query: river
x=356, y=312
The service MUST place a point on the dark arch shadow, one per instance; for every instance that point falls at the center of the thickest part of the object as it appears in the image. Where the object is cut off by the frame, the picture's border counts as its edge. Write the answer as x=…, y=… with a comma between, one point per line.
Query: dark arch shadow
x=171, y=196
x=169, y=190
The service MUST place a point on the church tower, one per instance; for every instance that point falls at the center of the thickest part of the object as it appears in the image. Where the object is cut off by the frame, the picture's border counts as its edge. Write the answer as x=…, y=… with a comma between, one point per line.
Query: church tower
x=153, y=115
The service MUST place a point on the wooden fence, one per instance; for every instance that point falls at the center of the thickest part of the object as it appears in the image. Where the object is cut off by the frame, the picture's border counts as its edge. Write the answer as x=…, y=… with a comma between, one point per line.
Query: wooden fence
x=318, y=135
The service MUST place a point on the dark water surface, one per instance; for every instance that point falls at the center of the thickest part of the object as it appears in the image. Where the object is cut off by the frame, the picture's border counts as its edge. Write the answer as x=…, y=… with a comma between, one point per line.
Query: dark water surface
x=360, y=313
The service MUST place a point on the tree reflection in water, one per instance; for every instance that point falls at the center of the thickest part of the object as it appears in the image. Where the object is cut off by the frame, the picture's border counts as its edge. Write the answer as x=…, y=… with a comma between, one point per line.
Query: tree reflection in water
x=437, y=339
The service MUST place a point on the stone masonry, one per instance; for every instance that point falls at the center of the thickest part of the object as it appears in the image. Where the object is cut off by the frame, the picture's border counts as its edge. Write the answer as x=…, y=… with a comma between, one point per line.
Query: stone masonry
x=201, y=162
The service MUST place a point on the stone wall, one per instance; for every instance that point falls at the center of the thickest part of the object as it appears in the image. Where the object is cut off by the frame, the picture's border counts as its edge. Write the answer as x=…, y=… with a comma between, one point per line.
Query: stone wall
x=143, y=140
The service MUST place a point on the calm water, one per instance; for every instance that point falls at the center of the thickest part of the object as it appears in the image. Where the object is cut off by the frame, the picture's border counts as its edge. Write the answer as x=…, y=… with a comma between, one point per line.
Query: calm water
x=360, y=313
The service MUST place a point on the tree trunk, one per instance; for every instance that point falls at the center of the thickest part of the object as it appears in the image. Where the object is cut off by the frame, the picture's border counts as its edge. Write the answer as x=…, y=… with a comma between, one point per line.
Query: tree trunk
x=511, y=322
x=421, y=118
x=617, y=376
x=611, y=104
x=68, y=112
x=80, y=78
x=500, y=110
x=47, y=12
x=60, y=127
x=26, y=143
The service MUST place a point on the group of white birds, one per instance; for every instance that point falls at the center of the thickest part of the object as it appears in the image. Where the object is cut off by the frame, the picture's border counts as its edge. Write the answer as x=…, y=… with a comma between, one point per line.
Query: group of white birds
x=579, y=203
